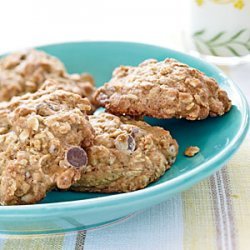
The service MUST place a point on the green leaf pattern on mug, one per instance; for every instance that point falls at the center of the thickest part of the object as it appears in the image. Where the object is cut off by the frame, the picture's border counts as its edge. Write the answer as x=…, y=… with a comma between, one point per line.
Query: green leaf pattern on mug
x=219, y=41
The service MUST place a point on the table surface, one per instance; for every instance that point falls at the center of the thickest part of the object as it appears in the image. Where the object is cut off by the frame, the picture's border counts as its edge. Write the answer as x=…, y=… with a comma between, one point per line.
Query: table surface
x=214, y=214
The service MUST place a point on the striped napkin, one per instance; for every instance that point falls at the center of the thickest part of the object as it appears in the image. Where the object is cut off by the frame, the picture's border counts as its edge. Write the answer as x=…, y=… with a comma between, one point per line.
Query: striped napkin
x=214, y=214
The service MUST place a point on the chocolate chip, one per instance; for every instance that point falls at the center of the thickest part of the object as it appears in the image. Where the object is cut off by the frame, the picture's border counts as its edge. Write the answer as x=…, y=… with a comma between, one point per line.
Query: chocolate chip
x=77, y=157
x=134, y=131
x=125, y=143
x=45, y=109
x=52, y=107
x=131, y=143
x=23, y=57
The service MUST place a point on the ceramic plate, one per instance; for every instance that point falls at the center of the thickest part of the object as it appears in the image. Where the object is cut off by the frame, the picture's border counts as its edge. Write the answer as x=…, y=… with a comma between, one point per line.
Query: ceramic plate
x=218, y=138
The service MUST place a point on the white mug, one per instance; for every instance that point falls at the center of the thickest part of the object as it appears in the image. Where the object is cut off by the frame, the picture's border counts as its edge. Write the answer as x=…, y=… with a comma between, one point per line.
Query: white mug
x=220, y=28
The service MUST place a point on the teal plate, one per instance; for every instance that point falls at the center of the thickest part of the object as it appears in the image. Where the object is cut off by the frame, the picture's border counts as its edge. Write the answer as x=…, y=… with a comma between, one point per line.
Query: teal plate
x=218, y=139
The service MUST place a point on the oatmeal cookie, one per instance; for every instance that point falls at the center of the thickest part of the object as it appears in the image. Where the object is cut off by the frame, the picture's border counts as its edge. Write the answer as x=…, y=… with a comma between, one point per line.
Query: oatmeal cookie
x=163, y=90
x=127, y=155
x=25, y=72
x=42, y=137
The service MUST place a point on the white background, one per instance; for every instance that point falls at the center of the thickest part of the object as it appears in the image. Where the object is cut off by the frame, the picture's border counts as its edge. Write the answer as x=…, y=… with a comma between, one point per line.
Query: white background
x=27, y=23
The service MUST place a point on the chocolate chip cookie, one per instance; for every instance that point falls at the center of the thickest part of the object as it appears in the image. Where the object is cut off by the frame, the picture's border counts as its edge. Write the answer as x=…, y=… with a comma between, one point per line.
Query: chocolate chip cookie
x=127, y=155
x=42, y=136
x=163, y=89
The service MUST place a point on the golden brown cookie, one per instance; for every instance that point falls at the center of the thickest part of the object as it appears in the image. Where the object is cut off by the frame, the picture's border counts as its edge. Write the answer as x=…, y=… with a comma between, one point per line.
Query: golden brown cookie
x=26, y=71
x=164, y=89
x=42, y=136
x=127, y=155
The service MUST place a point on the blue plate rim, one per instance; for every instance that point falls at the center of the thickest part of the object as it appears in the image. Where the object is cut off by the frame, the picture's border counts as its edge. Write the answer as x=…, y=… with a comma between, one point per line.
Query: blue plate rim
x=56, y=208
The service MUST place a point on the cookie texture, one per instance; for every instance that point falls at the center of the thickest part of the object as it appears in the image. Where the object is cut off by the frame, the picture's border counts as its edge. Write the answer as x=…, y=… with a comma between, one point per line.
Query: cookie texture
x=127, y=155
x=26, y=71
x=163, y=89
x=40, y=136
x=82, y=85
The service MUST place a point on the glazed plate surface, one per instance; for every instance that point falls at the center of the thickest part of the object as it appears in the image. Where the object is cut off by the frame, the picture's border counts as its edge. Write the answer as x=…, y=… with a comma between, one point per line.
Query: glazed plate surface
x=218, y=139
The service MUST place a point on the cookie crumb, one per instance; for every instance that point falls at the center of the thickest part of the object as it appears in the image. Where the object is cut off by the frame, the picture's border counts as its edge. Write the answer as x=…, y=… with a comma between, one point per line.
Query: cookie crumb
x=191, y=151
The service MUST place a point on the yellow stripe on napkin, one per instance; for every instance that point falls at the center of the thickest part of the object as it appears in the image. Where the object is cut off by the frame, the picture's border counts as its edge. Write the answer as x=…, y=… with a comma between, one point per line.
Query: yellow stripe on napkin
x=199, y=231
x=239, y=175
x=34, y=242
